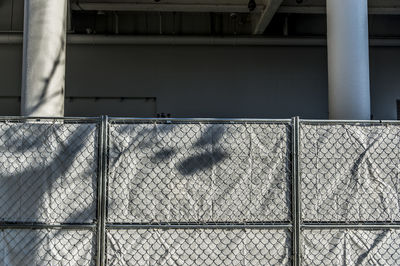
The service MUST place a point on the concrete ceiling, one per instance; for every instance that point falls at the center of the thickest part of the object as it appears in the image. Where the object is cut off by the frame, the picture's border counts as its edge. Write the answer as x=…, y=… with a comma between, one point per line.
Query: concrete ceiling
x=217, y=5
x=260, y=16
x=167, y=5
x=263, y=12
x=384, y=7
x=205, y=17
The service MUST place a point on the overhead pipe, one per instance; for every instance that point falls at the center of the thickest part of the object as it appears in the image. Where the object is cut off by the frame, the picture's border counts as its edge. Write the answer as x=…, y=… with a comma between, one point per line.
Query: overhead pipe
x=87, y=39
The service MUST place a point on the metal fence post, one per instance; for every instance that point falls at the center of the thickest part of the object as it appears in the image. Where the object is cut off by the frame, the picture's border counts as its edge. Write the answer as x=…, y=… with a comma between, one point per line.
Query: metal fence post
x=101, y=196
x=295, y=192
x=99, y=188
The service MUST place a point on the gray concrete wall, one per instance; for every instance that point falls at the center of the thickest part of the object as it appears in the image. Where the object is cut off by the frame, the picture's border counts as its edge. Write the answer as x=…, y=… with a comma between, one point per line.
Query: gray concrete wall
x=264, y=82
x=10, y=78
x=385, y=81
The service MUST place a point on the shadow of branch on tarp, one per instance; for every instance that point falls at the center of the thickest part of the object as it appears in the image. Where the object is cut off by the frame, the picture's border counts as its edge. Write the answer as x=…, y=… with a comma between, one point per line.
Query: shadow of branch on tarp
x=200, y=162
x=148, y=161
x=212, y=135
x=47, y=180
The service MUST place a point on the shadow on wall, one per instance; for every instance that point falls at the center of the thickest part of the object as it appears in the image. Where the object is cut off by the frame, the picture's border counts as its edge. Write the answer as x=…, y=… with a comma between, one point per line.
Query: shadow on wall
x=46, y=95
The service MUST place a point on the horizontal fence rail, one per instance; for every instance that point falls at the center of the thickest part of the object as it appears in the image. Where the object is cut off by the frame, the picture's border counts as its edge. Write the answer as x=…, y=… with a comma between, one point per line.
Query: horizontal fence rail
x=120, y=191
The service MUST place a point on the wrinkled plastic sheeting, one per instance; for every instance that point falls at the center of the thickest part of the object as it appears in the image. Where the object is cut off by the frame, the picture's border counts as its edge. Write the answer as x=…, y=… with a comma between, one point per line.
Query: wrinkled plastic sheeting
x=199, y=172
x=198, y=247
x=46, y=247
x=350, y=172
x=351, y=247
x=48, y=172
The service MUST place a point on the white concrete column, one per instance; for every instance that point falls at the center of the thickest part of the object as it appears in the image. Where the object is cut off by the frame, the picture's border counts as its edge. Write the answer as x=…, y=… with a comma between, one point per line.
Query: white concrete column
x=43, y=70
x=348, y=59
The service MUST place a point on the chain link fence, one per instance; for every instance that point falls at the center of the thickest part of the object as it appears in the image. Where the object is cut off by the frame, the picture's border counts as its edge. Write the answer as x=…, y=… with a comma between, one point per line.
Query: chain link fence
x=350, y=193
x=199, y=192
x=48, y=192
x=198, y=174
x=198, y=247
x=47, y=247
x=351, y=247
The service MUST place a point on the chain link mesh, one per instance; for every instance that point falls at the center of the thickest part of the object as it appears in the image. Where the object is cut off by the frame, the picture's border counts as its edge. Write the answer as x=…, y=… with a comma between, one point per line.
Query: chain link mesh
x=198, y=247
x=46, y=247
x=199, y=193
x=199, y=173
x=48, y=176
x=48, y=172
x=350, y=172
x=350, y=177
x=351, y=247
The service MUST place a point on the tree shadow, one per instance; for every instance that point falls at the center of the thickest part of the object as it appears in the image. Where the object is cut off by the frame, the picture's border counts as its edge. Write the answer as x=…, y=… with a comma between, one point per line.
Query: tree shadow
x=53, y=187
x=200, y=162
x=44, y=95
x=143, y=139
x=206, y=160
x=212, y=135
x=163, y=155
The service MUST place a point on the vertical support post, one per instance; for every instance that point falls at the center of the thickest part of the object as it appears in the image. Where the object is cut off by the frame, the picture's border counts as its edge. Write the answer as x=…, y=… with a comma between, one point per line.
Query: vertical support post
x=100, y=177
x=43, y=67
x=295, y=192
x=348, y=59
x=101, y=189
x=103, y=206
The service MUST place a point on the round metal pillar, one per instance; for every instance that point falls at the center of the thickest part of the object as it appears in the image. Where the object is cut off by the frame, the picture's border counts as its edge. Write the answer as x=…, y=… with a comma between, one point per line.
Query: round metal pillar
x=348, y=60
x=43, y=70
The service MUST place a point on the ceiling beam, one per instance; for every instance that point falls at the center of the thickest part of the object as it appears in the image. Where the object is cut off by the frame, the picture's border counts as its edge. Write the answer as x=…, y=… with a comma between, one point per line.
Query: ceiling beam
x=322, y=10
x=160, y=7
x=266, y=16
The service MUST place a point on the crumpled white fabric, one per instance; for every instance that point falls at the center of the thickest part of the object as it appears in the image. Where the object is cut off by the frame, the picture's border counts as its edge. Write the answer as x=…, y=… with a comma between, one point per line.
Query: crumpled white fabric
x=350, y=172
x=198, y=247
x=351, y=247
x=196, y=172
x=47, y=247
x=48, y=172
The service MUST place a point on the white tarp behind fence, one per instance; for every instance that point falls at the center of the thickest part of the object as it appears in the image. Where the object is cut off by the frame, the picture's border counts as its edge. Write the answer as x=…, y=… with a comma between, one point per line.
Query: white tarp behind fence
x=199, y=173
x=199, y=192
x=350, y=174
x=199, y=247
x=48, y=175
